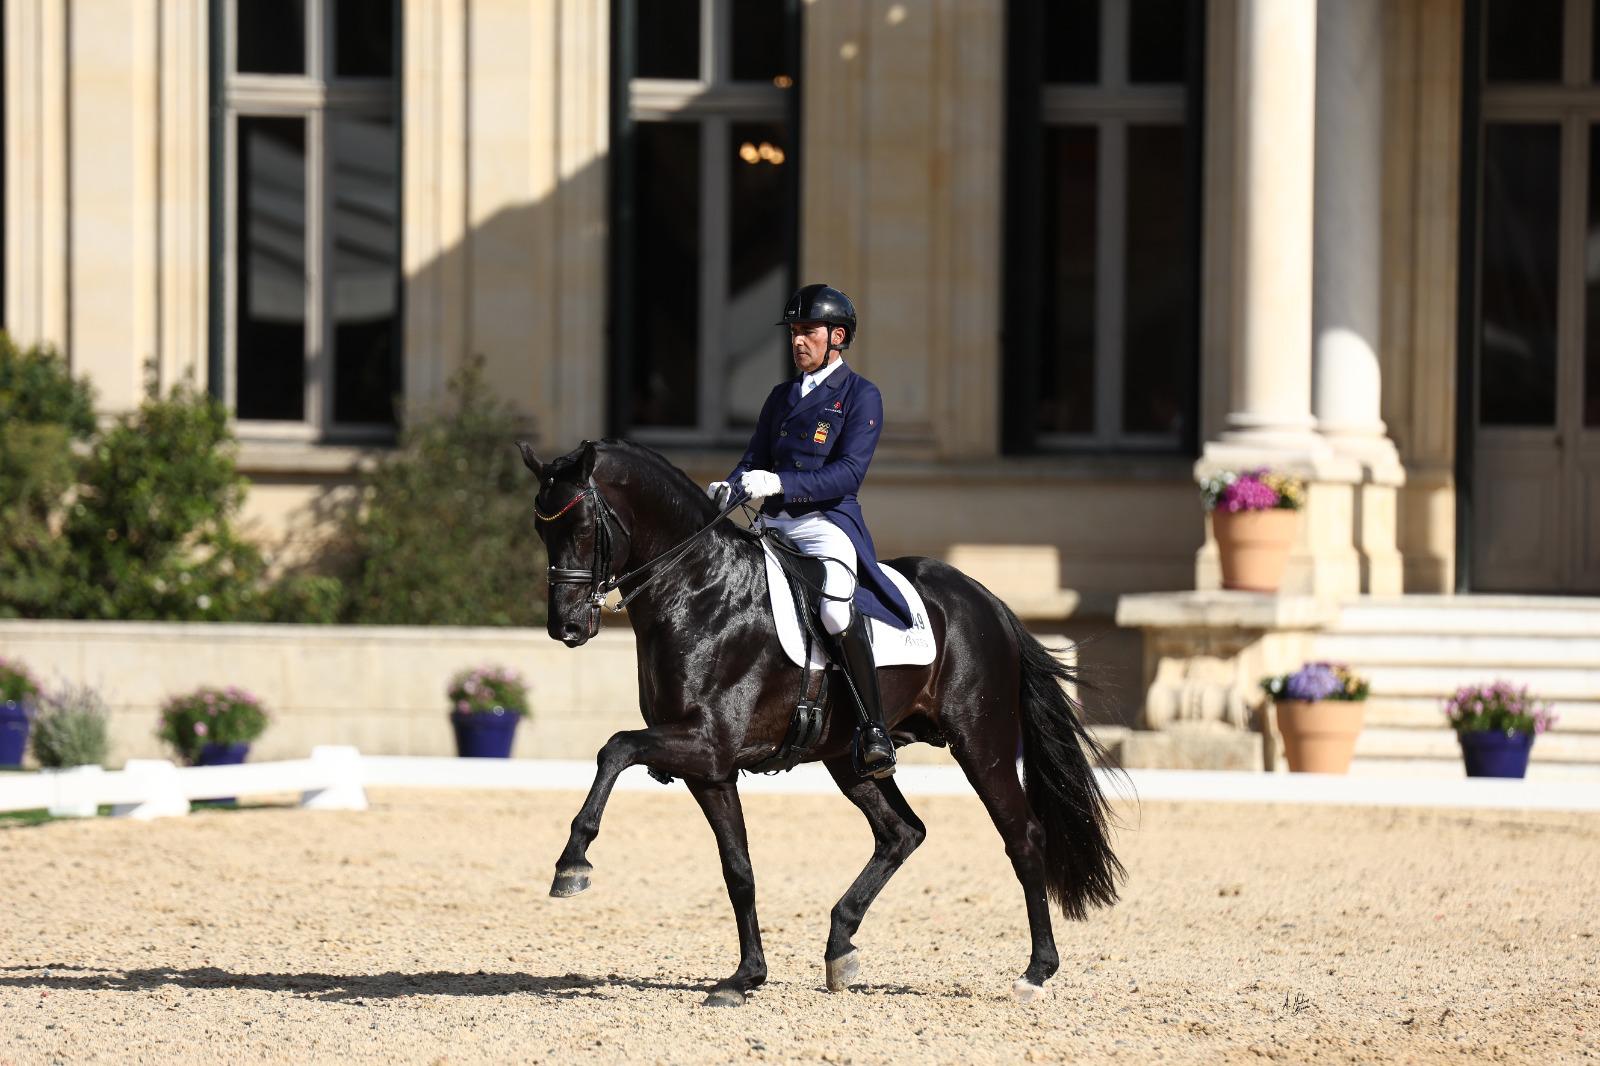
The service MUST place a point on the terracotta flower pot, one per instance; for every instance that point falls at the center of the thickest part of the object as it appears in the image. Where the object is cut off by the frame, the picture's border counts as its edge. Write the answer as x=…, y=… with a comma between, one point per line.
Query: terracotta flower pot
x=1319, y=737
x=1253, y=546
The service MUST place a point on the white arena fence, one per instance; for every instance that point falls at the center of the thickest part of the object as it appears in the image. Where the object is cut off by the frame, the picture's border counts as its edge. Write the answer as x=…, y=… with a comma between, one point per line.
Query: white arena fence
x=336, y=778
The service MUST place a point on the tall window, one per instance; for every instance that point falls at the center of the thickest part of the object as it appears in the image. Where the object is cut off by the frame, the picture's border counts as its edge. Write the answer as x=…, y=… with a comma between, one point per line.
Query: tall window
x=704, y=201
x=1102, y=314
x=310, y=191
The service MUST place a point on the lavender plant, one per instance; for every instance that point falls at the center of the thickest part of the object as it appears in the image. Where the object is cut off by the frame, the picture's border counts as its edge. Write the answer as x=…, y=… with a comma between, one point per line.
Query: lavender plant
x=71, y=728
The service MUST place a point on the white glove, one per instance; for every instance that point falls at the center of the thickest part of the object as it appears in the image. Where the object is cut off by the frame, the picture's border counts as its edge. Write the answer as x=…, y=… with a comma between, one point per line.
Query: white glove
x=718, y=491
x=758, y=484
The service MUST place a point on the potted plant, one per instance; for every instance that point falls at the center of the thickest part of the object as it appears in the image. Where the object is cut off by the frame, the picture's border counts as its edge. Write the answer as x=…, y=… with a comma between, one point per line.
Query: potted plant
x=1319, y=710
x=1252, y=518
x=486, y=702
x=213, y=726
x=71, y=738
x=1496, y=725
x=18, y=694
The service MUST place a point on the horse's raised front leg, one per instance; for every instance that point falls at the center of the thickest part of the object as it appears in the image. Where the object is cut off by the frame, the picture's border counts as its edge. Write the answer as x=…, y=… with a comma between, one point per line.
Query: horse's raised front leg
x=896, y=832
x=720, y=802
x=679, y=750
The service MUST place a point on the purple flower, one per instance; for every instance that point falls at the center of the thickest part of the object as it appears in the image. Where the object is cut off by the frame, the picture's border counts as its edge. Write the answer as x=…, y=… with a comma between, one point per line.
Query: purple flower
x=1314, y=681
x=1247, y=494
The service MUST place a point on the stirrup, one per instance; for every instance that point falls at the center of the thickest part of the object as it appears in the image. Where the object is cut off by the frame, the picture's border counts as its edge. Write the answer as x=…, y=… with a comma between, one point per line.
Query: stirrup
x=879, y=770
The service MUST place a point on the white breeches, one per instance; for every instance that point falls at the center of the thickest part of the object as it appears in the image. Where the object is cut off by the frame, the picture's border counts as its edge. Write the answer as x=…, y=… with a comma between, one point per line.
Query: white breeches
x=815, y=534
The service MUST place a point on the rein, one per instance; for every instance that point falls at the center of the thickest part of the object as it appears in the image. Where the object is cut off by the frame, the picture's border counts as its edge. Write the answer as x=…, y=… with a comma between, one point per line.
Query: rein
x=597, y=576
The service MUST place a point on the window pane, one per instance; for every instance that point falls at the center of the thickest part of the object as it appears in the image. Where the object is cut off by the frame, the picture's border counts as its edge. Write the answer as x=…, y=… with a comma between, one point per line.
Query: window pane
x=760, y=40
x=666, y=268
x=668, y=38
x=1072, y=41
x=1522, y=40
x=271, y=36
x=364, y=202
x=1156, y=344
x=1517, y=324
x=363, y=38
x=758, y=266
x=1158, y=40
x=270, y=353
x=1591, y=282
x=1066, y=385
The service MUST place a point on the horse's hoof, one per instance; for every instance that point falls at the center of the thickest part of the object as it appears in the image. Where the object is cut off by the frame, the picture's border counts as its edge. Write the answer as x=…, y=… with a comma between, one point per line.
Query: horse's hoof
x=843, y=970
x=724, y=997
x=570, y=882
x=1025, y=991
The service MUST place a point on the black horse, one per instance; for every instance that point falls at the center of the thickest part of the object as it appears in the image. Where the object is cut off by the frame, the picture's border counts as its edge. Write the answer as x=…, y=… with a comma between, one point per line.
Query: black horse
x=717, y=694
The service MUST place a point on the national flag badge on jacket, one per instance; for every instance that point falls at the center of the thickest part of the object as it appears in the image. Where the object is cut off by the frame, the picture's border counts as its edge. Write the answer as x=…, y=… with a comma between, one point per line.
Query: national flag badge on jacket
x=821, y=435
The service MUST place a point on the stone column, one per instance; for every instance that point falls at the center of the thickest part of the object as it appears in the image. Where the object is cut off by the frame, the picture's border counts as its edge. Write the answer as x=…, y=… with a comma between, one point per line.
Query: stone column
x=1269, y=421
x=35, y=148
x=1347, y=315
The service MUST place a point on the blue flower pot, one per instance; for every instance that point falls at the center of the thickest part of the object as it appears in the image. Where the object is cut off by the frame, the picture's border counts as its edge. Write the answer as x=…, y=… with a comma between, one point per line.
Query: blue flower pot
x=485, y=734
x=14, y=722
x=222, y=755
x=1493, y=754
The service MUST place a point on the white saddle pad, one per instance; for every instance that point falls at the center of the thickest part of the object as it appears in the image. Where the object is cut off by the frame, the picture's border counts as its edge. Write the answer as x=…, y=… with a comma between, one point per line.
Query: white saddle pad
x=890, y=646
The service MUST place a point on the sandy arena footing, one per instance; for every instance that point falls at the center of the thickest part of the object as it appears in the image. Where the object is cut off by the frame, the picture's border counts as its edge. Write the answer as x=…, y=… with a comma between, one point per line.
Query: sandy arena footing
x=420, y=931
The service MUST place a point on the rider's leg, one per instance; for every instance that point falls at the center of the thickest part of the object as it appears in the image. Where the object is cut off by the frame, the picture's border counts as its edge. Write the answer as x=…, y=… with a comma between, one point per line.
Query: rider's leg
x=816, y=535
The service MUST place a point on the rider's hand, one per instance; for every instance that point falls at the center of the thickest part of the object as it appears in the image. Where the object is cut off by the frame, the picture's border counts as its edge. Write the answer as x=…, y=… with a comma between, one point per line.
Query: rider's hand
x=718, y=491
x=758, y=484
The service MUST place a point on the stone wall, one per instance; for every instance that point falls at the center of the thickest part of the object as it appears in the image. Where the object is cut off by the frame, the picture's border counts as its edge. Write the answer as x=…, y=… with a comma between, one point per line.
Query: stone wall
x=380, y=688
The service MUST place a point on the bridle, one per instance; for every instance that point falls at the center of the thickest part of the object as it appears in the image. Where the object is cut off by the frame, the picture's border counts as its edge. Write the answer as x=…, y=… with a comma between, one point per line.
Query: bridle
x=598, y=575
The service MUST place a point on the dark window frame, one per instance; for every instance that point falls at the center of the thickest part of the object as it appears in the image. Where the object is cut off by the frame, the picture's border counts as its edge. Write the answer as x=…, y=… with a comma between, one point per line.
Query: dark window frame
x=1022, y=341
x=622, y=280
x=331, y=97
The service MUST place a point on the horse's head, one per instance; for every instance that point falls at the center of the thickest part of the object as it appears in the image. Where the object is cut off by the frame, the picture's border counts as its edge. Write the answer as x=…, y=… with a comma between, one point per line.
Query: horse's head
x=584, y=539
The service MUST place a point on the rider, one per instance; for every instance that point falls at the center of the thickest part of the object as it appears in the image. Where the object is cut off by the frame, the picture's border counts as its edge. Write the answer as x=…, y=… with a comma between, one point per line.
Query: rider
x=807, y=458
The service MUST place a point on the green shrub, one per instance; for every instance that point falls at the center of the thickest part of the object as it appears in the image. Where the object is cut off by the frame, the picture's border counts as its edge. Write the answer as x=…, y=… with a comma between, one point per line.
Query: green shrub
x=444, y=535
x=71, y=728
x=151, y=534
x=43, y=411
x=211, y=716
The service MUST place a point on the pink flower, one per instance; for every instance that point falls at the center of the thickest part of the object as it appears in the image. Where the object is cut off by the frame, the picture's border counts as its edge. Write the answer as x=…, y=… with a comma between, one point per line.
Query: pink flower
x=200, y=729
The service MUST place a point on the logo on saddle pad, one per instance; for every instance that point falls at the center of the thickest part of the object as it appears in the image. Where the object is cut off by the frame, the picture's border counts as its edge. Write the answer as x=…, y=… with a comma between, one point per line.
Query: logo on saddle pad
x=821, y=435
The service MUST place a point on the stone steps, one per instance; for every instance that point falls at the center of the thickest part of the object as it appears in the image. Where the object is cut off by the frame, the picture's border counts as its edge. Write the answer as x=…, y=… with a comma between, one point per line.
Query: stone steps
x=1419, y=650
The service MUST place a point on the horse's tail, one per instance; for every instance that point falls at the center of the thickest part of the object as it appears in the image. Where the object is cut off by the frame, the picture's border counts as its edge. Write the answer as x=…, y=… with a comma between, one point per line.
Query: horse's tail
x=1058, y=755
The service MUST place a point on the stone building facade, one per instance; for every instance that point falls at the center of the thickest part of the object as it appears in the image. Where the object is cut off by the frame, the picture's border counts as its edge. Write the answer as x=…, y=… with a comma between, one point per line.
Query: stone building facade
x=1097, y=247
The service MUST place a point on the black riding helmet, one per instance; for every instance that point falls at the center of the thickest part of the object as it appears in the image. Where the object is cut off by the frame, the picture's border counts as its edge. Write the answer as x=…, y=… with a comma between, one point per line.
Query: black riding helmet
x=822, y=303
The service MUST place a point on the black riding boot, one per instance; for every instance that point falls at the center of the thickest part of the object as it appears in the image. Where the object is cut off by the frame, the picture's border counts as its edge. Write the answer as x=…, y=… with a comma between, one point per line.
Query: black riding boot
x=855, y=658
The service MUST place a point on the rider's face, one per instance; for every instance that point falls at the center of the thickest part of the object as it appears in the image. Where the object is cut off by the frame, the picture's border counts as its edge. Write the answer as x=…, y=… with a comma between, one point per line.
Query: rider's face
x=808, y=342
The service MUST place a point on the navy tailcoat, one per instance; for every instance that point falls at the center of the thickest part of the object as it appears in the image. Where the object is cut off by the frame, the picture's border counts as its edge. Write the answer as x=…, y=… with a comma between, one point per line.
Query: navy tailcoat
x=820, y=447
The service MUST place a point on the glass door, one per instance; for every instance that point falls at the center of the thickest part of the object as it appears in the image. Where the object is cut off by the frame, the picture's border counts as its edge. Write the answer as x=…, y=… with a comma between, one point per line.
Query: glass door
x=1536, y=401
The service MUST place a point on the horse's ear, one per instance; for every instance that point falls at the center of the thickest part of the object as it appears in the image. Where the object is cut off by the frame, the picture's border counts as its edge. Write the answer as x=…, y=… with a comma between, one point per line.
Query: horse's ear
x=586, y=460
x=530, y=460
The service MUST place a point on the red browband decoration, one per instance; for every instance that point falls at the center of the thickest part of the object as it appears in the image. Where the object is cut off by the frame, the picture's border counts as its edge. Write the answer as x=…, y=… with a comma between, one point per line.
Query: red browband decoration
x=552, y=517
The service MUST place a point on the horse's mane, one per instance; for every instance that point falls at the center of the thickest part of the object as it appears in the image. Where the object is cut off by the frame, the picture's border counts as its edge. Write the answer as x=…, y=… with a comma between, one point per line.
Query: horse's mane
x=685, y=500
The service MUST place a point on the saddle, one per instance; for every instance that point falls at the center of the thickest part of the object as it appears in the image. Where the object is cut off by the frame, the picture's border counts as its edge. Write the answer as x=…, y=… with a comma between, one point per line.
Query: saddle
x=804, y=575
